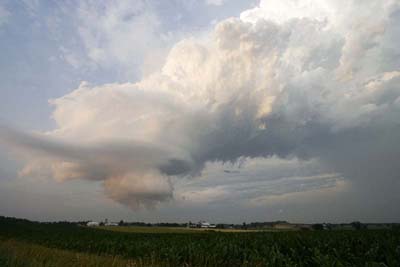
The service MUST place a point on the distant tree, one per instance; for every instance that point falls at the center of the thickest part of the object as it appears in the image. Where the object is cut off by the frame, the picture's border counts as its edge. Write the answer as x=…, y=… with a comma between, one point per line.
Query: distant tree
x=220, y=226
x=358, y=225
x=318, y=227
x=121, y=223
x=101, y=223
x=396, y=227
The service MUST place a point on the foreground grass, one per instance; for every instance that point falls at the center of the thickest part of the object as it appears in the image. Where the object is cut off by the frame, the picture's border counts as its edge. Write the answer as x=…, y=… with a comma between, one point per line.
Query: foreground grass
x=17, y=253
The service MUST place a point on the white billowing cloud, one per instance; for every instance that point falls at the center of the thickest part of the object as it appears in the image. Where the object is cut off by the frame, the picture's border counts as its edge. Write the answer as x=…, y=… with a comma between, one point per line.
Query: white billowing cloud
x=283, y=10
x=309, y=85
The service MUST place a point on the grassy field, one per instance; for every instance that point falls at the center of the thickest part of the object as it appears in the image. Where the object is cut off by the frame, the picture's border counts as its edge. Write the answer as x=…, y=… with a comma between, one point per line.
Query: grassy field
x=24, y=243
x=17, y=253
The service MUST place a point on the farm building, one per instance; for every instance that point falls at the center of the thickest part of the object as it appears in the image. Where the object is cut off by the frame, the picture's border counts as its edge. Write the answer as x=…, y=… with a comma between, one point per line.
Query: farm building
x=201, y=224
x=111, y=224
x=92, y=224
x=204, y=224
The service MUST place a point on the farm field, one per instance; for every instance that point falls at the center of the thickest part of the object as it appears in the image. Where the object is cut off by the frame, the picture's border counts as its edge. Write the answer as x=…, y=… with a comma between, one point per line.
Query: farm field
x=17, y=253
x=24, y=243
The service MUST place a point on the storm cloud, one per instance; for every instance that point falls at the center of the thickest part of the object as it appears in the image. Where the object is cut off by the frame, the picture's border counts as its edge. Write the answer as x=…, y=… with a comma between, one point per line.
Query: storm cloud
x=320, y=83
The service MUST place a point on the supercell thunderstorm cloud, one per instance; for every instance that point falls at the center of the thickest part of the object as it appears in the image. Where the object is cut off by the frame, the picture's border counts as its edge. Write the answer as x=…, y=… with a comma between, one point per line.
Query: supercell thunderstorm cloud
x=319, y=83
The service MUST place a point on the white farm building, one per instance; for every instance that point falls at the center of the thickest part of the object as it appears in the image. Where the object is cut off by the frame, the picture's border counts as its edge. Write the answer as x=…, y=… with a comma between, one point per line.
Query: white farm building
x=204, y=224
x=92, y=224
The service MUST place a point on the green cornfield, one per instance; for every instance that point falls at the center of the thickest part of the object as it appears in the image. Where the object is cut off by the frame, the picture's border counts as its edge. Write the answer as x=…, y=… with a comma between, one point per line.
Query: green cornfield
x=292, y=248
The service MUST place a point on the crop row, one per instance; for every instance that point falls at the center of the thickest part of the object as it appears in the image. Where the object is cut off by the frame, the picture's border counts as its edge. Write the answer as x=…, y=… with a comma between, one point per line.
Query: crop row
x=310, y=248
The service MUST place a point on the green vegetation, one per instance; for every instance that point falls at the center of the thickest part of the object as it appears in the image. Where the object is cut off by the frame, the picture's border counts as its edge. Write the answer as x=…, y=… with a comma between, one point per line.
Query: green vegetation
x=199, y=248
x=17, y=253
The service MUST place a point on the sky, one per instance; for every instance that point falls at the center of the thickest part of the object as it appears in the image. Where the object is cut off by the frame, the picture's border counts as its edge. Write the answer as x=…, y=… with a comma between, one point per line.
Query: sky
x=219, y=110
